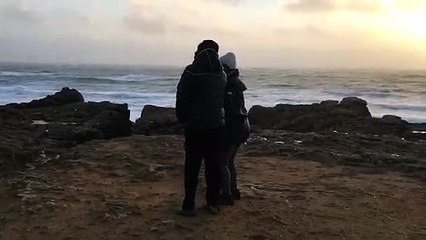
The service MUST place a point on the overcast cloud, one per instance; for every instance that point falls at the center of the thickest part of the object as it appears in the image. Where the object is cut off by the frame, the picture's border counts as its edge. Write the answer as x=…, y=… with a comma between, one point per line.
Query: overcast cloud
x=270, y=33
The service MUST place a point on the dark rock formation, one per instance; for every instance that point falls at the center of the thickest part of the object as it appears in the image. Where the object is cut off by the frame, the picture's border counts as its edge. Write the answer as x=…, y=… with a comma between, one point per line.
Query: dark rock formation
x=350, y=113
x=49, y=125
x=45, y=128
x=157, y=121
x=388, y=124
x=63, y=97
x=417, y=131
x=392, y=119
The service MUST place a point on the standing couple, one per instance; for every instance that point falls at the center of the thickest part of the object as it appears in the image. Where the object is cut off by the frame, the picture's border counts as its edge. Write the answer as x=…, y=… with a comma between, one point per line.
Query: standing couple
x=210, y=105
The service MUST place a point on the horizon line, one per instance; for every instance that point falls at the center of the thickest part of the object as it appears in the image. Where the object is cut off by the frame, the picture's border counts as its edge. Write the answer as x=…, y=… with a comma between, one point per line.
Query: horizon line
x=184, y=65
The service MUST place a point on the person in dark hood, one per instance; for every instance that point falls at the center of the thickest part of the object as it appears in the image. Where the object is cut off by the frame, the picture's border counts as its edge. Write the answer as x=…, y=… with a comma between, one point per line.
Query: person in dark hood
x=200, y=109
x=237, y=126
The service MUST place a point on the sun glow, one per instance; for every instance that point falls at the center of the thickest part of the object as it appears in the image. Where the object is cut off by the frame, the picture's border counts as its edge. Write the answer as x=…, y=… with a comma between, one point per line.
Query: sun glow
x=404, y=24
x=409, y=21
x=408, y=28
x=413, y=24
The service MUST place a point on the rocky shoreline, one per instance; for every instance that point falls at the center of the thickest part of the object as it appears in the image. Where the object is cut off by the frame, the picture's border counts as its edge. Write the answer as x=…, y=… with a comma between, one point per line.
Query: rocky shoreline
x=71, y=169
x=45, y=128
x=330, y=131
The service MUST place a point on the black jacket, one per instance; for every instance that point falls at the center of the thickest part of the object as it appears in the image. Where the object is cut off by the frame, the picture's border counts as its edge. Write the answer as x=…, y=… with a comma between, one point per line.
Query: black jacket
x=201, y=91
x=235, y=106
x=238, y=127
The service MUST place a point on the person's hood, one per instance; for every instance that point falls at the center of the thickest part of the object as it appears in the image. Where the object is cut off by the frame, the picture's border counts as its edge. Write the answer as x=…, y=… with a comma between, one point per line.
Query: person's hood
x=207, y=61
x=233, y=76
x=229, y=60
x=231, y=73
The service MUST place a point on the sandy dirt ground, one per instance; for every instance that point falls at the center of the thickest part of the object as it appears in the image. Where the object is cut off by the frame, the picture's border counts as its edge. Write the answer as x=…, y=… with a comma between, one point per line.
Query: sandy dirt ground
x=131, y=188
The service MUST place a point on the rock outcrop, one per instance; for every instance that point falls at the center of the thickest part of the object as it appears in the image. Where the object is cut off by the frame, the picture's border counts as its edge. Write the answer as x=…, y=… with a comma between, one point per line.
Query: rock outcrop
x=49, y=125
x=157, y=121
x=63, y=97
x=44, y=128
x=350, y=115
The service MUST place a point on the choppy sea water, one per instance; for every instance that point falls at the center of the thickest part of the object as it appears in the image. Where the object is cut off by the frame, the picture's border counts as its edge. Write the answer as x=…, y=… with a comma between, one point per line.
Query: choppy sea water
x=397, y=92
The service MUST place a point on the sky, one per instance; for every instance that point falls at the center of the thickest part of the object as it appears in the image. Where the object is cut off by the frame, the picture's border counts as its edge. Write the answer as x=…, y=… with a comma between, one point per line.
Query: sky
x=262, y=33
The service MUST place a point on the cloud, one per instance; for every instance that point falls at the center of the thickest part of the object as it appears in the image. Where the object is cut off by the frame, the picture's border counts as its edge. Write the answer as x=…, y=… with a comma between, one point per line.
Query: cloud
x=194, y=17
x=201, y=30
x=143, y=24
x=326, y=33
x=228, y=2
x=308, y=29
x=13, y=11
x=144, y=18
x=310, y=6
x=365, y=6
x=410, y=4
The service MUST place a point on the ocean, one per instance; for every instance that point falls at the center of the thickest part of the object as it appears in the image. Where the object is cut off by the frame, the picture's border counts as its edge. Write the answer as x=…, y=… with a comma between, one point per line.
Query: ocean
x=397, y=92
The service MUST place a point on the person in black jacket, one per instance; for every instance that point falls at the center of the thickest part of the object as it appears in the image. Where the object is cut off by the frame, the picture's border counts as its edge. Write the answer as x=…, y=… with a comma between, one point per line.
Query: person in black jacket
x=200, y=108
x=237, y=126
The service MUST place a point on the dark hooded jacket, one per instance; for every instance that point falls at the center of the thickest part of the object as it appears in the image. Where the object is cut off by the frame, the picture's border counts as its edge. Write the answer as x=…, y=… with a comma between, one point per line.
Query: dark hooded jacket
x=238, y=127
x=201, y=91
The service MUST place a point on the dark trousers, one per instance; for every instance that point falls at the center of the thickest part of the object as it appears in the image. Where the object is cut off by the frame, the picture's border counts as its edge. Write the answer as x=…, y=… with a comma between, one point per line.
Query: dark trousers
x=202, y=144
x=229, y=172
x=231, y=166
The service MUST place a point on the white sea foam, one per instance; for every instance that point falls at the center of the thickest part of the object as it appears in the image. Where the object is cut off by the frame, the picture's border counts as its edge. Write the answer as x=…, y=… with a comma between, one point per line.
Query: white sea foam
x=387, y=92
x=24, y=74
x=419, y=132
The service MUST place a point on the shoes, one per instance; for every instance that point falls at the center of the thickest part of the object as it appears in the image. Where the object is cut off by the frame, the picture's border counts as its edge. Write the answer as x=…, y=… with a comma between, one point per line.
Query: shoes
x=188, y=208
x=188, y=212
x=214, y=210
x=236, y=195
x=227, y=200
